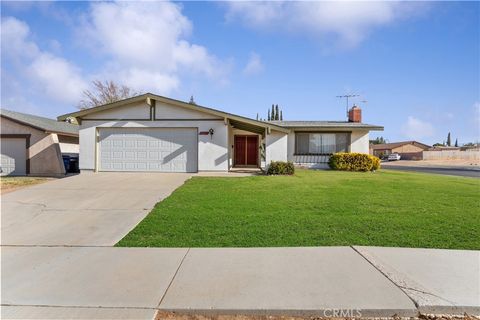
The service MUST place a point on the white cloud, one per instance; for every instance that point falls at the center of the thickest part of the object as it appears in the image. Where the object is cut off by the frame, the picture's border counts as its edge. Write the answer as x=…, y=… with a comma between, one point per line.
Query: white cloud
x=146, y=45
x=254, y=64
x=349, y=22
x=417, y=129
x=51, y=75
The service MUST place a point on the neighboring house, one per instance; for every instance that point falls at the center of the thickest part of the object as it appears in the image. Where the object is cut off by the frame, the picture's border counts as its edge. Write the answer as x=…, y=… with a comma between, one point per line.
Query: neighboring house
x=408, y=150
x=33, y=145
x=155, y=133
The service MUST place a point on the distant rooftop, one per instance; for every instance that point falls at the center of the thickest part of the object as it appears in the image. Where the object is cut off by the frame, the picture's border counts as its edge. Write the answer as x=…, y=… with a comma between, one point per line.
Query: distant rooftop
x=42, y=123
x=393, y=145
x=325, y=124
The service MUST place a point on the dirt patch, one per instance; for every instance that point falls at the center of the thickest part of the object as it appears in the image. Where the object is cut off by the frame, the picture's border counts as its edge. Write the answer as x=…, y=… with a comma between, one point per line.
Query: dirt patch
x=177, y=316
x=9, y=184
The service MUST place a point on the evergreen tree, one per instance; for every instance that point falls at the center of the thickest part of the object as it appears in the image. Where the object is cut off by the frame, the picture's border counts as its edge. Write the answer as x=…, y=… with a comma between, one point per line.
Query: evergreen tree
x=281, y=115
x=449, y=141
x=257, y=115
x=456, y=142
x=272, y=116
x=277, y=114
x=268, y=116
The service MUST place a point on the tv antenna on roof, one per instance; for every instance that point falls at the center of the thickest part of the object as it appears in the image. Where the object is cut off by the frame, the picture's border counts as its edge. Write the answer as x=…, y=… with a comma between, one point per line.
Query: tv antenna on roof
x=347, y=96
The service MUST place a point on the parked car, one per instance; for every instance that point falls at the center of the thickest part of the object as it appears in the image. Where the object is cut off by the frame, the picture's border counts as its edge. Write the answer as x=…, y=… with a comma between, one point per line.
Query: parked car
x=394, y=157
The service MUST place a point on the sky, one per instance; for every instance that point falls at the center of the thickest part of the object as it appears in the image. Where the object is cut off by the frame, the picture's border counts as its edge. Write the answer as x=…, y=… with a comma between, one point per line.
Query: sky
x=415, y=65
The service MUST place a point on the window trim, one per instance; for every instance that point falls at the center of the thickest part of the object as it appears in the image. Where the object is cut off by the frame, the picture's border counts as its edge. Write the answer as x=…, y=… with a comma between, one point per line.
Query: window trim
x=349, y=142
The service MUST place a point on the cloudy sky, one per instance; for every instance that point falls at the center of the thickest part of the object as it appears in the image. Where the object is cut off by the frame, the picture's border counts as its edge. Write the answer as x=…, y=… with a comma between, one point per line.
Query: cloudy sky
x=415, y=63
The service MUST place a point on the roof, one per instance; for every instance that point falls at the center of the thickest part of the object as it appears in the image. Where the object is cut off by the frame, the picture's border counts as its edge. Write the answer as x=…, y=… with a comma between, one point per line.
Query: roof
x=238, y=121
x=151, y=96
x=326, y=124
x=393, y=145
x=41, y=123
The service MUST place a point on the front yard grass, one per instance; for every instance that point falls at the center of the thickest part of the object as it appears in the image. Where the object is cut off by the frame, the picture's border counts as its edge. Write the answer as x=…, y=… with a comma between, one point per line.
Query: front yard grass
x=317, y=208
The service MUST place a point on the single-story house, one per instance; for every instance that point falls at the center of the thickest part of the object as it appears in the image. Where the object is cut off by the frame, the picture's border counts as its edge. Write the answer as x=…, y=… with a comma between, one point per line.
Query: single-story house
x=155, y=133
x=33, y=145
x=408, y=150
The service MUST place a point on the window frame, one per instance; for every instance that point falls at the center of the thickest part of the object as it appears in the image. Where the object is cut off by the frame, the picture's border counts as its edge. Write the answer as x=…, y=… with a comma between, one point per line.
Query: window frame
x=349, y=142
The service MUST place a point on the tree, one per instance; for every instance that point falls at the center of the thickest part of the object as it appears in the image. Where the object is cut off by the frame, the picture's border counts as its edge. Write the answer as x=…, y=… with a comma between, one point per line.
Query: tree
x=272, y=116
x=277, y=114
x=104, y=93
x=281, y=115
x=456, y=142
x=449, y=141
x=257, y=115
x=268, y=116
x=378, y=140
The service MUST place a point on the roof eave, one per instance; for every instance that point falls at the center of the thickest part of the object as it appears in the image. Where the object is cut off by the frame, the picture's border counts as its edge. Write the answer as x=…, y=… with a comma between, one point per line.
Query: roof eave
x=147, y=96
x=344, y=128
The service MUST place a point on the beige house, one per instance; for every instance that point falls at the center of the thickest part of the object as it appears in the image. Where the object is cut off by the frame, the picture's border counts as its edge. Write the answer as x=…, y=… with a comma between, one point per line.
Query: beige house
x=159, y=134
x=33, y=145
x=408, y=150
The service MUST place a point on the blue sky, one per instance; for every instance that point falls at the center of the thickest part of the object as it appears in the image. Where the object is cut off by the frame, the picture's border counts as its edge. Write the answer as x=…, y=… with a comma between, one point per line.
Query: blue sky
x=417, y=64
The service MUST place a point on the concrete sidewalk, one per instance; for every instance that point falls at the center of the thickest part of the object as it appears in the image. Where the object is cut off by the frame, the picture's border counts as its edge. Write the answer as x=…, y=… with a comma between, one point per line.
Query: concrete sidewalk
x=133, y=283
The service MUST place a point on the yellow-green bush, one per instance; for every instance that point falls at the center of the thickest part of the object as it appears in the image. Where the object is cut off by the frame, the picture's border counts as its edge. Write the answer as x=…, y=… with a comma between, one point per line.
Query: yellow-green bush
x=354, y=162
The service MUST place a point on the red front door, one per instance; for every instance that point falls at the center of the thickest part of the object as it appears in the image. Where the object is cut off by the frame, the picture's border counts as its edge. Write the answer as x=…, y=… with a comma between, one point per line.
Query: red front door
x=246, y=150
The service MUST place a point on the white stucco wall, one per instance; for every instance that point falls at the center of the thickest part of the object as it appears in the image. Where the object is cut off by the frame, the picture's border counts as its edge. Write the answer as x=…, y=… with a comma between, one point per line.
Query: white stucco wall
x=139, y=110
x=212, y=151
x=359, y=141
x=165, y=111
x=276, y=146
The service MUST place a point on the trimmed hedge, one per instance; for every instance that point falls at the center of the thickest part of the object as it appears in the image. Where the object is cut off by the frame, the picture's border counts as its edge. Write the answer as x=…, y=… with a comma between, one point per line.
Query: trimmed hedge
x=281, y=168
x=353, y=162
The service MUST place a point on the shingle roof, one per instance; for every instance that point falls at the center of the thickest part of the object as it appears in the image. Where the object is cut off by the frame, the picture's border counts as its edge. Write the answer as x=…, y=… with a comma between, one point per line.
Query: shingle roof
x=325, y=124
x=41, y=123
x=394, y=145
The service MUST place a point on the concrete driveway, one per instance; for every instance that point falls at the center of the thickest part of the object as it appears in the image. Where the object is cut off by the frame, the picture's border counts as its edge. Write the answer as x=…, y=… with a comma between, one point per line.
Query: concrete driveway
x=83, y=210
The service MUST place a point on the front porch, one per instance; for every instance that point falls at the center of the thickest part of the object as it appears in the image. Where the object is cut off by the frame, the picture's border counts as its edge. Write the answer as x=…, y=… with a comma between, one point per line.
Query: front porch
x=246, y=150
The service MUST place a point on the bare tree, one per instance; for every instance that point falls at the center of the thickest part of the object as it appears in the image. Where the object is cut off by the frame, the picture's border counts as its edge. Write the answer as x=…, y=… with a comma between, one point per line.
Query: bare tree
x=105, y=92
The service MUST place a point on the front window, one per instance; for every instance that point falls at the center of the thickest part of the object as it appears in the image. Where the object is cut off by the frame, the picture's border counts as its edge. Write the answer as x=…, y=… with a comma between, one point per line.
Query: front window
x=317, y=143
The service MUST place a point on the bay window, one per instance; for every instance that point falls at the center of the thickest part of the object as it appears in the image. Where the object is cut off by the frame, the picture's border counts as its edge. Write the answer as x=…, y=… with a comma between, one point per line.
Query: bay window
x=321, y=143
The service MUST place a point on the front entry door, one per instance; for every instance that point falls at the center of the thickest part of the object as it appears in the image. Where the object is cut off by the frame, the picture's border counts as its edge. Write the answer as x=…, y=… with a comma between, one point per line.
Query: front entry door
x=246, y=150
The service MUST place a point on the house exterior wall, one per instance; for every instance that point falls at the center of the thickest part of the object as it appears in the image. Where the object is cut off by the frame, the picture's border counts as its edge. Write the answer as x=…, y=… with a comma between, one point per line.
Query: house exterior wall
x=165, y=111
x=44, y=152
x=134, y=111
x=359, y=141
x=276, y=147
x=407, y=148
x=212, y=150
x=68, y=144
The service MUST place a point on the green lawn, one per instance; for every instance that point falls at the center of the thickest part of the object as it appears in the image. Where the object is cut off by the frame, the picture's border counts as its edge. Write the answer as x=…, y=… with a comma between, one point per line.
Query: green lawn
x=317, y=208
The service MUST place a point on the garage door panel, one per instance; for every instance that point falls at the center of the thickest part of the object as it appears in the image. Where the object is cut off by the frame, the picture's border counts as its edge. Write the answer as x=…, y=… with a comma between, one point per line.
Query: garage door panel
x=148, y=149
x=13, y=156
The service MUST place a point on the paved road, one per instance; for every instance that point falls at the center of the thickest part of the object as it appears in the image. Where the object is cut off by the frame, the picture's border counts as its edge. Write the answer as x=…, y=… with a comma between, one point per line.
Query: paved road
x=437, y=170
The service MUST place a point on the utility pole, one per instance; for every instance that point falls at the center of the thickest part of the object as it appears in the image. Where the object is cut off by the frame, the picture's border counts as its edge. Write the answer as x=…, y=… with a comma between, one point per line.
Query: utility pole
x=347, y=96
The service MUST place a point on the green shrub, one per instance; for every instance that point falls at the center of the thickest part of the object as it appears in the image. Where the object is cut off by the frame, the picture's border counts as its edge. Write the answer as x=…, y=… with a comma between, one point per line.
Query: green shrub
x=353, y=162
x=281, y=167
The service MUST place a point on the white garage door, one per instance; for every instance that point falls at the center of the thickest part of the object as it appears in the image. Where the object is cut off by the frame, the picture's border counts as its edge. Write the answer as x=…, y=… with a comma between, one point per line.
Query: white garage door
x=13, y=156
x=148, y=149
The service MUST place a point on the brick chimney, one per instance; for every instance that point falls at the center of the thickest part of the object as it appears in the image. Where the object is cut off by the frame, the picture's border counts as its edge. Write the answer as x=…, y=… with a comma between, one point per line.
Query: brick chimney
x=355, y=114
